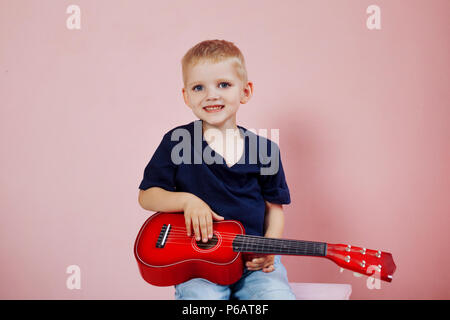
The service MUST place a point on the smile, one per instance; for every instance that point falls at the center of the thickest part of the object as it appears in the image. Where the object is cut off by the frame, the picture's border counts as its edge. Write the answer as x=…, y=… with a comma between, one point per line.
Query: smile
x=214, y=108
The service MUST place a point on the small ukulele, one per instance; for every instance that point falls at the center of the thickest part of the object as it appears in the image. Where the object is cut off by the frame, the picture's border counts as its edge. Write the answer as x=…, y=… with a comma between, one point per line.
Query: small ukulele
x=167, y=256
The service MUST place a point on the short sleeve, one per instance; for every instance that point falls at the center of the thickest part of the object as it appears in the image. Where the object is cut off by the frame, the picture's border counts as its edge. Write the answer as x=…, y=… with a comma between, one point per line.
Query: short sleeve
x=160, y=171
x=272, y=180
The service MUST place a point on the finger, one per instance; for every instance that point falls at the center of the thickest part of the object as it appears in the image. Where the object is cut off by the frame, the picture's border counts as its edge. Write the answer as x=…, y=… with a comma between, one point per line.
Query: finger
x=203, y=228
x=216, y=216
x=188, y=225
x=209, y=226
x=269, y=260
x=258, y=260
x=258, y=263
x=195, y=226
x=268, y=264
x=255, y=260
x=269, y=269
x=254, y=268
x=253, y=265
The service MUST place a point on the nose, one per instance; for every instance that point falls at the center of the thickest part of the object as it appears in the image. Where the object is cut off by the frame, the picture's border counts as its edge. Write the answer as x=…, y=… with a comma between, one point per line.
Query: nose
x=212, y=93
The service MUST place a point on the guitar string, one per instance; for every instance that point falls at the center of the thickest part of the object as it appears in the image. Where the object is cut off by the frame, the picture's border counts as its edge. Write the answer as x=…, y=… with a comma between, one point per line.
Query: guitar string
x=252, y=237
x=249, y=250
x=285, y=242
x=267, y=243
x=262, y=239
x=230, y=234
x=183, y=231
x=234, y=235
x=265, y=239
x=175, y=231
x=247, y=246
x=257, y=238
x=353, y=249
x=270, y=243
x=263, y=243
x=241, y=236
x=256, y=245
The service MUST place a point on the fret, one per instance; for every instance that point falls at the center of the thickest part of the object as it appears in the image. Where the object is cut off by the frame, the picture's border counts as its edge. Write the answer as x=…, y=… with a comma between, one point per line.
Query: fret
x=263, y=244
x=246, y=243
x=256, y=244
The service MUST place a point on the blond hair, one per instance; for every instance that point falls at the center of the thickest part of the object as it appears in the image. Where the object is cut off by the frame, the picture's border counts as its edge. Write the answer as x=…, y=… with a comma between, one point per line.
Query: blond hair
x=214, y=51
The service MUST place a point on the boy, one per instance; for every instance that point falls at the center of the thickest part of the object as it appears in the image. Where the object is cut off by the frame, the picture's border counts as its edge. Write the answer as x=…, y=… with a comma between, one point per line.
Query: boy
x=215, y=84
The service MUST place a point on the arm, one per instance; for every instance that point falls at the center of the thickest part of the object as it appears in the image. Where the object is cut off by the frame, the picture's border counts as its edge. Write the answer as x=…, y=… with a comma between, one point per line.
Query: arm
x=274, y=220
x=158, y=199
x=273, y=228
x=197, y=213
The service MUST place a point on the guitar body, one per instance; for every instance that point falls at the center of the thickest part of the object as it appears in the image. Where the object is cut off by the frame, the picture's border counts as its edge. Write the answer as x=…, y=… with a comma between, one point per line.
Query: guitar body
x=182, y=258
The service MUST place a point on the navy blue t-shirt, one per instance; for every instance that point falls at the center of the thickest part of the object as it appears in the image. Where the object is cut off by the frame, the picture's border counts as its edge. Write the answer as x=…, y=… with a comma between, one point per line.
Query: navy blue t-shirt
x=184, y=162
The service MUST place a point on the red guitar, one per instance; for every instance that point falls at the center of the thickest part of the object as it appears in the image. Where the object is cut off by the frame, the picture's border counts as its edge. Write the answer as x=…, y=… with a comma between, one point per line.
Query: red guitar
x=167, y=256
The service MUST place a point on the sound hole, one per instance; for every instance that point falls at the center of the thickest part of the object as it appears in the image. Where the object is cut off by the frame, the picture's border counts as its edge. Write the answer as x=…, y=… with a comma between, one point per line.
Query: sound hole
x=207, y=245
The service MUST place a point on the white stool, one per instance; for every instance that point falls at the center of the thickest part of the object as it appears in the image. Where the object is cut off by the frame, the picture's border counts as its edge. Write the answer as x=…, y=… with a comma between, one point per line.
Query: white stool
x=321, y=291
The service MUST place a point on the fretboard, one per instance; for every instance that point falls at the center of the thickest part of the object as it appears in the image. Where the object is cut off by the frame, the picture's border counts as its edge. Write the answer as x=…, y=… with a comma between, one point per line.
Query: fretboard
x=256, y=244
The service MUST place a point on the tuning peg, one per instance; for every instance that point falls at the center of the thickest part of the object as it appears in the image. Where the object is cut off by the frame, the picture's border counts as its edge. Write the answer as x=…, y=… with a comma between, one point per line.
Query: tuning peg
x=348, y=249
x=378, y=254
x=363, y=251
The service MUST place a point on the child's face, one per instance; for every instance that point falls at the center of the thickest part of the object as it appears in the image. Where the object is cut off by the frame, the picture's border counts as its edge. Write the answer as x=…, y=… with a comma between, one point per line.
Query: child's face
x=209, y=84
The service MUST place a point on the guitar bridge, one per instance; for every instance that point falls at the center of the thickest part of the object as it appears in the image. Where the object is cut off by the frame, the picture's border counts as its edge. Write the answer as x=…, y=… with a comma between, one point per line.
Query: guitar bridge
x=161, y=242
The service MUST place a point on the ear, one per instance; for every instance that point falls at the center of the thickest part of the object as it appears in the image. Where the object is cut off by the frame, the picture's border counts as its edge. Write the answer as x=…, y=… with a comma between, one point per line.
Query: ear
x=247, y=92
x=183, y=91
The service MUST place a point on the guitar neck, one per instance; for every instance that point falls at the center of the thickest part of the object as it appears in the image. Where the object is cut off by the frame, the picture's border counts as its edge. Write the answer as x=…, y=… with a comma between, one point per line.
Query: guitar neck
x=257, y=244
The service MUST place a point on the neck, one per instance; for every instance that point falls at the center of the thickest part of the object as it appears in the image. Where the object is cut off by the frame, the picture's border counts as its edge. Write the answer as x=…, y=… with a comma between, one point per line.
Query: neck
x=223, y=127
x=257, y=244
x=219, y=137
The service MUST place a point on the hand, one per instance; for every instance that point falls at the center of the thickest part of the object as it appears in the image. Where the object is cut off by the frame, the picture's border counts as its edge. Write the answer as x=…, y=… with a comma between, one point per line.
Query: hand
x=199, y=216
x=264, y=262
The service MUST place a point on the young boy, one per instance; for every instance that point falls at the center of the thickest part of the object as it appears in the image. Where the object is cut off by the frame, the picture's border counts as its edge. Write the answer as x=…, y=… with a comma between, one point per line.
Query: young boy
x=217, y=176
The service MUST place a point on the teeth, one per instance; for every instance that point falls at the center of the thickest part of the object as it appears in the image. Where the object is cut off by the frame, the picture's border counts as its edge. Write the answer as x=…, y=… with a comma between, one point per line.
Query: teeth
x=213, y=108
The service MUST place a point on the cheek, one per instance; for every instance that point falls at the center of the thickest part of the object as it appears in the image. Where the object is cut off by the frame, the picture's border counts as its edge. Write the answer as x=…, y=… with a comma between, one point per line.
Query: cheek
x=233, y=97
x=194, y=100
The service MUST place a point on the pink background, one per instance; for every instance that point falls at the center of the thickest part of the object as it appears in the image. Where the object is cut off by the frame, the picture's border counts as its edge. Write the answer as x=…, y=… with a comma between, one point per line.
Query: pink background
x=363, y=118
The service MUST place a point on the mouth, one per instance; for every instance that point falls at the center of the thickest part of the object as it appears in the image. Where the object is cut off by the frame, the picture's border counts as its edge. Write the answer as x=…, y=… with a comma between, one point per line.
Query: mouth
x=214, y=108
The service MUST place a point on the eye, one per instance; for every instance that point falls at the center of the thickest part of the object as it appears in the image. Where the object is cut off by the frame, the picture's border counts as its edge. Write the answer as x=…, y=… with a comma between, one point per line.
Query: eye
x=225, y=83
x=197, y=86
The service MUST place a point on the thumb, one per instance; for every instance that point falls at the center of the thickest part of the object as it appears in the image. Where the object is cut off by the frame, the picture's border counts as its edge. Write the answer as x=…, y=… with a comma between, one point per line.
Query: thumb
x=216, y=216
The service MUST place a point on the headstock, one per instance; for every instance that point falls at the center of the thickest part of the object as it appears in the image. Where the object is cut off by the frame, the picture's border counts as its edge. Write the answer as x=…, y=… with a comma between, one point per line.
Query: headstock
x=362, y=260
